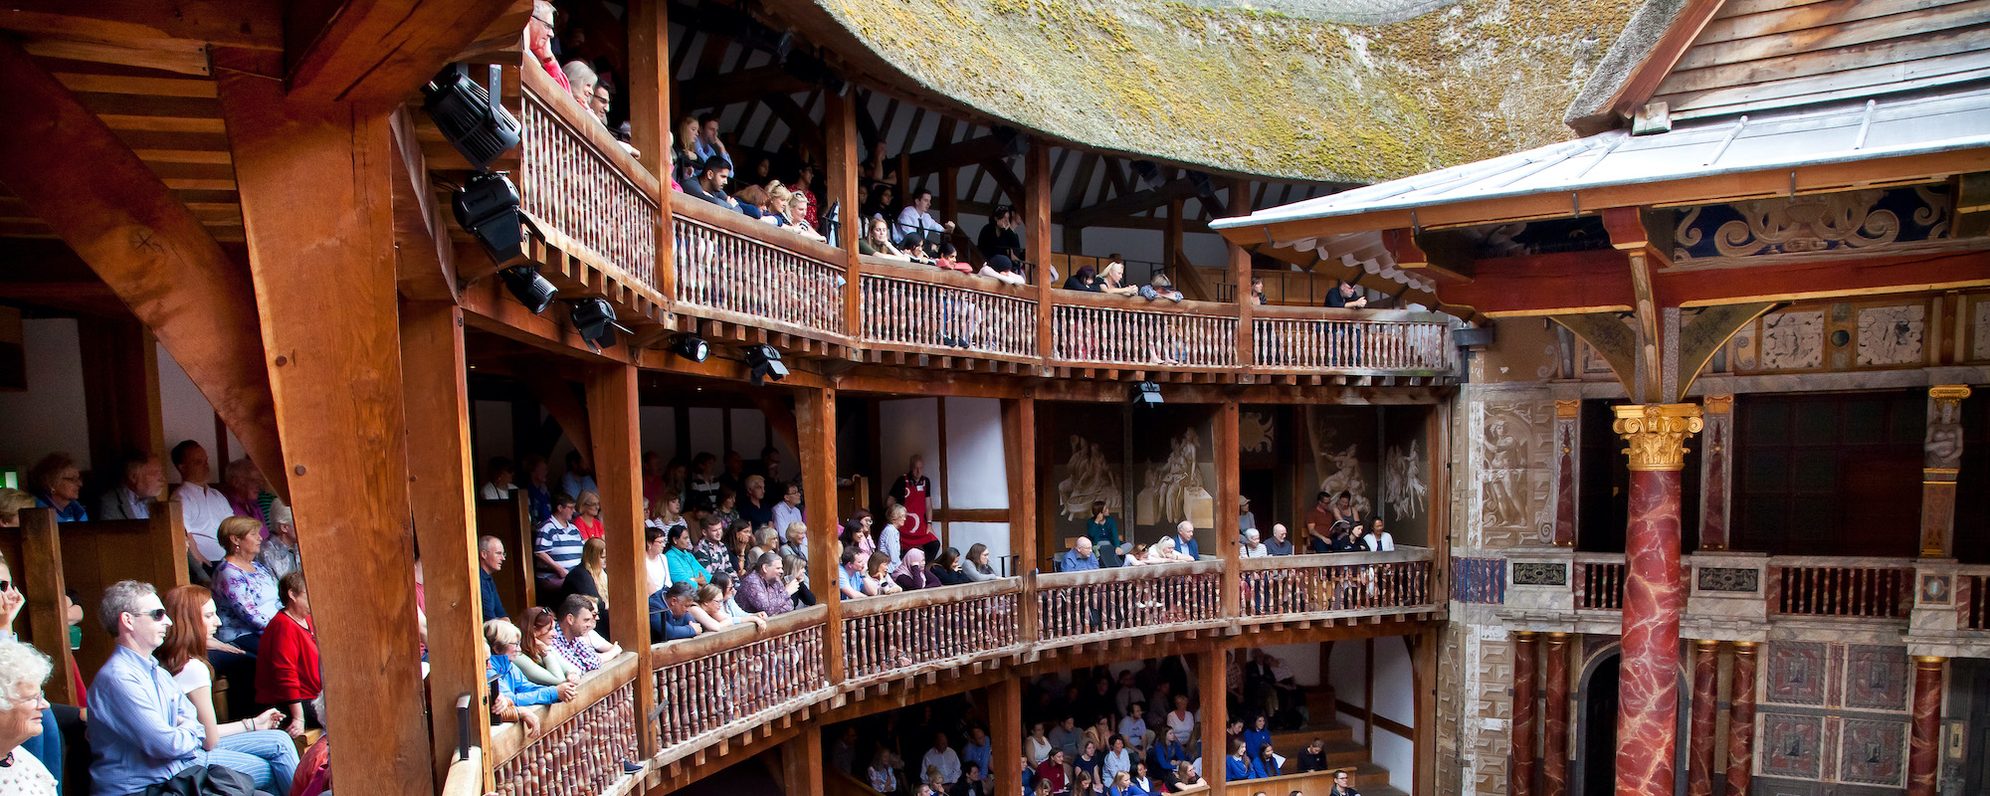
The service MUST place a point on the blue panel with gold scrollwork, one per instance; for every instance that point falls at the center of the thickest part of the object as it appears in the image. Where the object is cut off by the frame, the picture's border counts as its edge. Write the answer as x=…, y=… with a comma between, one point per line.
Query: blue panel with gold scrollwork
x=1873, y=218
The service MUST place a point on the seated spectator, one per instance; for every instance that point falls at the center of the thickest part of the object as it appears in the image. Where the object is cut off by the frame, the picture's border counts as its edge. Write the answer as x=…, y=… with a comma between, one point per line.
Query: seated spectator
x=1257, y=290
x=1313, y=757
x=877, y=242
x=764, y=590
x=1345, y=295
x=556, y=546
x=912, y=573
x=141, y=729
x=800, y=215
x=1160, y=552
x=245, y=590
x=753, y=202
x=1134, y=726
x=856, y=534
x=1318, y=539
x=1036, y=746
x=1085, y=280
x=202, y=508
x=917, y=220
x=246, y=491
x=314, y=767
x=1346, y=538
x=711, y=614
x=539, y=40
x=943, y=758
x=132, y=498
x=708, y=144
x=1090, y=761
x=877, y=577
x=1250, y=547
x=590, y=579
x=1001, y=236
x=513, y=690
x=883, y=773
x=1181, y=721
x=684, y=144
x=1054, y=773
x=726, y=511
x=1378, y=539
x=949, y=260
x=490, y=559
x=667, y=512
x=57, y=484
x=1239, y=766
x=578, y=477
x=1112, y=280
x=755, y=507
x=537, y=659
x=587, y=516
x=978, y=566
x=850, y=575
x=280, y=553
x=1269, y=762
x=497, y=480
x=787, y=516
x=1066, y=737
x=287, y=662
x=23, y=670
x=1003, y=269
x=1278, y=544
x=572, y=631
x=1167, y=754
x=1158, y=287
x=1343, y=785
x=881, y=201
x=670, y=613
x=950, y=568
x=656, y=570
x=712, y=185
x=1079, y=558
x=803, y=186
x=1258, y=736
x=1185, y=540
x=1118, y=758
x=538, y=493
x=683, y=559
x=184, y=654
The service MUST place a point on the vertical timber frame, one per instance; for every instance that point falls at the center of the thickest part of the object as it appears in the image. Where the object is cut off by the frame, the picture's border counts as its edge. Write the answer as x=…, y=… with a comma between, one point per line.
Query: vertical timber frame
x=649, y=98
x=1229, y=483
x=1240, y=273
x=815, y=427
x=352, y=512
x=614, y=412
x=1019, y=449
x=839, y=123
x=1212, y=670
x=1036, y=222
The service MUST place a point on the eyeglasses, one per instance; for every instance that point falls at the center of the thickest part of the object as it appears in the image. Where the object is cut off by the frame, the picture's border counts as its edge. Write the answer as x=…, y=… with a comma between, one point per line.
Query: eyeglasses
x=157, y=614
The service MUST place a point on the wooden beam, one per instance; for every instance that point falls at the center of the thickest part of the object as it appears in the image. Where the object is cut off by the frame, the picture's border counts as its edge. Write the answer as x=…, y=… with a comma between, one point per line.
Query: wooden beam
x=120, y=361
x=379, y=52
x=339, y=405
x=815, y=421
x=649, y=83
x=615, y=409
x=1128, y=204
x=38, y=577
x=1036, y=224
x=1005, y=734
x=801, y=762
x=442, y=501
x=1240, y=276
x=1019, y=457
x=556, y=396
x=1229, y=487
x=998, y=169
x=423, y=249
x=1212, y=672
x=1657, y=63
x=946, y=155
x=253, y=24
x=142, y=242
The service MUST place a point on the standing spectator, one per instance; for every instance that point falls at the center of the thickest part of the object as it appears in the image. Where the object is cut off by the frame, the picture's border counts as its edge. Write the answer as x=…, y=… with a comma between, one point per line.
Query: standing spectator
x=202, y=508
x=943, y=758
x=287, y=662
x=1001, y=237
x=891, y=538
x=1279, y=544
x=914, y=491
x=1245, y=519
x=184, y=654
x=1257, y=290
x=804, y=186
x=245, y=591
x=1345, y=295
x=538, y=495
x=788, y=513
x=916, y=220
x=132, y=498
x=587, y=517
x=578, y=478
x=490, y=559
x=556, y=546
x=708, y=144
x=497, y=480
x=142, y=731
x=1378, y=539
x=1103, y=530
x=912, y=573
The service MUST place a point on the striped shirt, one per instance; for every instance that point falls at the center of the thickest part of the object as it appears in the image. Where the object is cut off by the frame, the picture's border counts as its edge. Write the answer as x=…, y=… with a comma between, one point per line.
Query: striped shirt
x=561, y=542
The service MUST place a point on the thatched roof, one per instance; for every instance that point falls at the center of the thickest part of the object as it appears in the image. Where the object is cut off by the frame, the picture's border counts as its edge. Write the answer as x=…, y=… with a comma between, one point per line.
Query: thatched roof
x=1334, y=90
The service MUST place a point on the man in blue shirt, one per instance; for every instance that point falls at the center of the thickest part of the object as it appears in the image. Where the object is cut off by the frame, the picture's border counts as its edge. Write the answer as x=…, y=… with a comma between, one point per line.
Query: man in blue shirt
x=850, y=575
x=142, y=729
x=490, y=559
x=1185, y=540
x=1079, y=558
x=978, y=752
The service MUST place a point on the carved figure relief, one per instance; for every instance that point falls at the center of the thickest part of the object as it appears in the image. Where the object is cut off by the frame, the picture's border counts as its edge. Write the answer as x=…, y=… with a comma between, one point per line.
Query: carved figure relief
x=1403, y=487
x=1087, y=477
x=1792, y=340
x=1174, y=490
x=1891, y=335
x=1873, y=753
x=1511, y=444
x=1792, y=746
x=1981, y=348
x=1254, y=431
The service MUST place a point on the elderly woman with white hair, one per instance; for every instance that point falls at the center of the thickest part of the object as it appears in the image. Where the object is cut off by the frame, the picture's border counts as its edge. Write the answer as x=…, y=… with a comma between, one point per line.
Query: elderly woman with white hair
x=1250, y=547
x=23, y=670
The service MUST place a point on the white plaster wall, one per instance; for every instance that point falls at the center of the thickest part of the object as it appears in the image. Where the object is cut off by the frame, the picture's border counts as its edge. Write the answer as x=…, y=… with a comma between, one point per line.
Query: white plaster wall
x=907, y=426
x=1398, y=754
x=977, y=464
x=49, y=415
x=963, y=535
x=1395, y=681
x=186, y=414
x=1347, y=673
x=1302, y=659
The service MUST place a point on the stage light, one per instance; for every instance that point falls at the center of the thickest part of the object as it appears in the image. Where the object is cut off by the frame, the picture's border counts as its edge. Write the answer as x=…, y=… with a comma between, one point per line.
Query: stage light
x=692, y=347
x=487, y=206
x=764, y=362
x=1146, y=393
x=594, y=321
x=531, y=289
x=470, y=116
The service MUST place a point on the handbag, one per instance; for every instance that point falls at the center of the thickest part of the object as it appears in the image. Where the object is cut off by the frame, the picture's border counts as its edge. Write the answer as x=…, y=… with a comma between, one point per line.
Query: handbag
x=201, y=780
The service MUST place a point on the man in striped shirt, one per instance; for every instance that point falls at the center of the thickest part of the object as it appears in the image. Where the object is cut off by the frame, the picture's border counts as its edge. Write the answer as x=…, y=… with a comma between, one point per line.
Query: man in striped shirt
x=556, y=545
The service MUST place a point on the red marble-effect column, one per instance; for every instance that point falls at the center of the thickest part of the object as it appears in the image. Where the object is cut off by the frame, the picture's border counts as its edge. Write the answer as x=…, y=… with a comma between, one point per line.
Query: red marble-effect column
x=1924, y=746
x=1568, y=430
x=1555, y=720
x=1700, y=746
x=1526, y=657
x=1741, y=720
x=1648, y=693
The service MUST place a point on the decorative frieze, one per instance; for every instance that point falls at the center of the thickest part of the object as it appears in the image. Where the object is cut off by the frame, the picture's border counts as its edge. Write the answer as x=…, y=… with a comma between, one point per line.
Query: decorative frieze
x=1731, y=579
x=1540, y=573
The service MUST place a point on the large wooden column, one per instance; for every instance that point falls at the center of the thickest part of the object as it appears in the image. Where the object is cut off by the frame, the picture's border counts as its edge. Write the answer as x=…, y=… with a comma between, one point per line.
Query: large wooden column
x=1939, y=469
x=120, y=393
x=1036, y=222
x=649, y=121
x=614, y=415
x=1019, y=451
x=1005, y=734
x=1213, y=676
x=315, y=187
x=801, y=763
x=1526, y=662
x=815, y=425
x=1229, y=462
x=839, y=132
x=1648, y=695
x=441, y=495
x=1240, y=274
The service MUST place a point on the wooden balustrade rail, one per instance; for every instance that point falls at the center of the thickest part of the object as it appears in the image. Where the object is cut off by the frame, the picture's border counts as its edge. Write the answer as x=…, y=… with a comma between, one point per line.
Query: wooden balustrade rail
x=574, y=180
x=581, y=743
x=926, y=309
x=1599, y=583
x=1091, y=329
x=735, y=268
x=716, y=683
x=929, y=628
x=1354, y=583
x=1072, y=605
x=1350, y=341
x=466, y=775
x=1877, y=588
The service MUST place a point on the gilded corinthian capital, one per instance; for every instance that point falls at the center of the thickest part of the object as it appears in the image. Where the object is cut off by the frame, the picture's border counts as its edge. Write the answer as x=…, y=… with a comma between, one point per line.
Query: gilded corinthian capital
x=1657, y=433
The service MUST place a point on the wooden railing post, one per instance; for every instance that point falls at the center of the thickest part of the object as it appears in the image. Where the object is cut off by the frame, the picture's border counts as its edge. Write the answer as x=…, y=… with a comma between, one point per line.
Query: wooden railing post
x=1240, y=276
x=1212, y=671
x=839, y=127
x=815, y=427
x=649, y=116
x=1036, y=220
x=1019, y=448
x=614, y=412
x=1005, y=732
x=1228, y=510
x=433, y=373
x=38, y=576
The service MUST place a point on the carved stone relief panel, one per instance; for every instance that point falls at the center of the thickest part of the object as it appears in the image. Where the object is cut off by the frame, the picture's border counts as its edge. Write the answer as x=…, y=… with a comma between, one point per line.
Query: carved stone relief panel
x=1791, y=341
x=1980, y=332
x=1891, y=335
x=1796, y=673
x=1541, y=573
x=1512, y=444
x=1876, y=678
x=1735, y=579
x=1873, y=752
x=1792, y=745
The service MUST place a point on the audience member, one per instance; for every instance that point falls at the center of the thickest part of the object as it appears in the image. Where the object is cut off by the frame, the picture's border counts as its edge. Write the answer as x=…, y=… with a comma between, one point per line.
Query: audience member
x=727, y=511
x=912, y=573
x=23, y=671
x=587, y=516
x=1112, y=281
x=950, y=568
x=245, y=590
x=877, y=243
x=184, y=654
x=670, y=613
x=497, y=480
x=513, y=690
x=877, y=577
x=202, y=508
x=978, y=567
x=764, y=590
x=755, y=507
x=1084, y=280
x=280, y=551
x=132, y=498
x=1002, y=269
x=1103, y=531
x=943, y=758
x=1158, y=288
x=539, y=40
x=1245, y=519
x=314, y=767
x=889, y=537
x=1001, y=236
x=1343, y=785
x=490, y=559
x=1344, y=294
x=656, y=569
x=1185, y=541
x=1313, y=757
x=1279, y=544
x=556, y=546
x=578, y=477
x=590, y=578
x=538, y=494
x=1379, y=539
x=1250, y=547
x=287, y=675
x=537, y=659
x=916, y=220
x=1079, y=558
x=1257, y=290
x=575, y=624
x=708, y=144
x=710, y=610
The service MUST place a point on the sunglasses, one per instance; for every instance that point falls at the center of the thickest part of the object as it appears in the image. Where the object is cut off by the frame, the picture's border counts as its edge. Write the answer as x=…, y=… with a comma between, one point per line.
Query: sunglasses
x=157, y=614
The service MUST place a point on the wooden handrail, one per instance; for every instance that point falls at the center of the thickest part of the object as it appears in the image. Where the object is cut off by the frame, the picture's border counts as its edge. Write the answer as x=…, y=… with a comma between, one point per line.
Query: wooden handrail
x=509, y=740
x=532, y=78
x=1079, y=298
x=760, y=231
x=1340, y=314
x=870, y=606
x=898, y=269
x=669, y=652
x=466, y=775
x=1401, y=553
x=1092, y=577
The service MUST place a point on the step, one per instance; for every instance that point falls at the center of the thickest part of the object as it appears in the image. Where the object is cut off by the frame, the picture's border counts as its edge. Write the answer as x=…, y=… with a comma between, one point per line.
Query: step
x=1295, y=740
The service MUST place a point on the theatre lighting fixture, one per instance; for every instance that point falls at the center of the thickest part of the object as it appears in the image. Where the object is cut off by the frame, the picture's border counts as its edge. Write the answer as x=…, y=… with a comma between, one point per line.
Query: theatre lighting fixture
x=531, y=289
x=1146, y=393
x=470, y=116
x=692, y=347
x=764, y=362
x=487, y=206
x=594, y=321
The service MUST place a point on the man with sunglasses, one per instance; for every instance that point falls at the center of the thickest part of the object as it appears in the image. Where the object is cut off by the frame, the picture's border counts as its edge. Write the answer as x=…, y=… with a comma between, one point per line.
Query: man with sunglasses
x=142, y=730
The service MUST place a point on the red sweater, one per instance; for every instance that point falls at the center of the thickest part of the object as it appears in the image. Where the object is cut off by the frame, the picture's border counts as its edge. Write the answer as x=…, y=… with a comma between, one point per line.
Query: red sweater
x=287, y=662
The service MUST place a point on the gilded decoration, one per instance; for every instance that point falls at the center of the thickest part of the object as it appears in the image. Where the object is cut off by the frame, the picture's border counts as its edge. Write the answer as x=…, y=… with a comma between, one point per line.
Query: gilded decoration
x=1891, y=335
x=1792, y=341
x=1657, y=433
x=1848, y=221
x=1718, y=404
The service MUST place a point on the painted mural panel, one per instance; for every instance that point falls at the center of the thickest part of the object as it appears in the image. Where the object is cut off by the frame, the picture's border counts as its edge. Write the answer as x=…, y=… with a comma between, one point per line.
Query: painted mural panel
x=1512, y=472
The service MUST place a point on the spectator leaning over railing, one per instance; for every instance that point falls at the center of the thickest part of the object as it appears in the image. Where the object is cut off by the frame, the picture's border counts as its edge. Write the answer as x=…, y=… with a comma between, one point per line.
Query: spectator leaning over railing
x=1185, y=541
x=537, y=659
x=978, y=566
x=1159, y=288
x=1112, y=281
x=539, y=40
x=764, y=590
x=850, y=575
x=574, y=638
x=512, y=690
x=951, y=569
x=877, y=577
x=712, y=615
x=670, y=613
x=184, y=654
x=1345, y=295
x=912, y=573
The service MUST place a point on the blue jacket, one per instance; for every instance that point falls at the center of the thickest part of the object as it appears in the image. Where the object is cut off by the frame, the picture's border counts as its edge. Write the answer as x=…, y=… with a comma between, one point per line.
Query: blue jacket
x=1163, y=756
x=1070, y=562
x=1188, y=546
x=512, y=683
x=1255, y=740
x=1235, y=770
x=493, y=605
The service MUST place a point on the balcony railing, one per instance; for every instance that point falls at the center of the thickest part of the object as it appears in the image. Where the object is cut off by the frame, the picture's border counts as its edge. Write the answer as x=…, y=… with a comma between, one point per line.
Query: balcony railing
x=924, y=309
x=1099, y=330
x=1599, y=583
x=1337, y=584
x=577, y=184
x=738, y=269
x=1852, y=588
x=581, y=744
x=1307, y=339
x=928, y=629
x=1074, y=606
x=714, y=685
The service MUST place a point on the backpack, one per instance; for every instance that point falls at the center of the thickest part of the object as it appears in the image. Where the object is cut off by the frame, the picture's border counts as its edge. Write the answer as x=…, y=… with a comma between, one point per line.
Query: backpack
x=204, y=781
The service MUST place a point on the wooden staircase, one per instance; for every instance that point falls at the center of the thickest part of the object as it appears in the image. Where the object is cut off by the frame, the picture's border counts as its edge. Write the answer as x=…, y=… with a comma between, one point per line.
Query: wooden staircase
x=1342, y=750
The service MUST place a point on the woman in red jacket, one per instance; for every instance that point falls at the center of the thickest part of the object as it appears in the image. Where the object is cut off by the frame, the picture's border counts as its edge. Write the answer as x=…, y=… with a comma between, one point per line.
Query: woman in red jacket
x=287, y=661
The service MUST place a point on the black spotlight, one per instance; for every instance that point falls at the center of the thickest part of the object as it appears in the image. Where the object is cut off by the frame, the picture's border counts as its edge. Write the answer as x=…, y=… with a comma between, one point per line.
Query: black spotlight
x=487, y=206
x=1146, y=393
x=469, y=115
x=594, y=320
x=764, y=362
x=692, y=347
x=531, y=289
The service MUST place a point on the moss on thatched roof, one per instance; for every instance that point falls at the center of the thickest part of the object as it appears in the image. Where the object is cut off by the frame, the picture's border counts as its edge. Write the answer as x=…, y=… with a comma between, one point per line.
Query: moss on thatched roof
x=1307, y=92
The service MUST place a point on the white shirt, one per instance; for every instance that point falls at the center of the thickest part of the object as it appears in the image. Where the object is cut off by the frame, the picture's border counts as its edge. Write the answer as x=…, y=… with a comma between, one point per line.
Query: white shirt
x=785, y=515
x=1382, y=543
x=1182, y=724
x=202, y=508
x=910, y=220
x=1255, y=550
x=26, y=777
x=193, y=677
x=492, y=492
x=946, y=761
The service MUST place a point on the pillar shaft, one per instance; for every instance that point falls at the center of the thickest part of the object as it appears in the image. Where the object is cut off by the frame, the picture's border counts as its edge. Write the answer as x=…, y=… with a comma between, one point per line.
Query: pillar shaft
x=1939, y=468
x=1213, y=674
x=1924, y=746
x=1648, y=694
x=1741, y=720
x=1700, y=749
x=1555, y=720
x=1526, y=654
